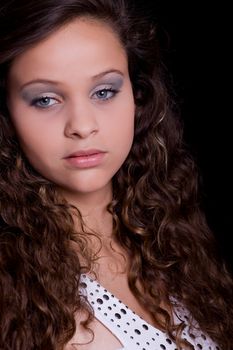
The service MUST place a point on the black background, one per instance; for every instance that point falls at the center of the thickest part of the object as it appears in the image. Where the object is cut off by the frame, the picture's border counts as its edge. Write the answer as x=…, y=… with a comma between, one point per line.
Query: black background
x=196, y=44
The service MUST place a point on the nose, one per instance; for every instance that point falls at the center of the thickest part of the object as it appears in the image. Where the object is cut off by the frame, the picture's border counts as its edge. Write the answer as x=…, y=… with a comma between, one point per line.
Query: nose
x=81, y=120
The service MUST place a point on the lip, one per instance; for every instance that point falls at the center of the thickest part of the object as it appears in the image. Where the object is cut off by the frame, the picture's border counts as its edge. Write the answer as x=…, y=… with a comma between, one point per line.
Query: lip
x=87, y=152
x=85, y=158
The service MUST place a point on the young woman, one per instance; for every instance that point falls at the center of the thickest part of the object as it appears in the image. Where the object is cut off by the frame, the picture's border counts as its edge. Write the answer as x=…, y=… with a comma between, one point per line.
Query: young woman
x=102, y=241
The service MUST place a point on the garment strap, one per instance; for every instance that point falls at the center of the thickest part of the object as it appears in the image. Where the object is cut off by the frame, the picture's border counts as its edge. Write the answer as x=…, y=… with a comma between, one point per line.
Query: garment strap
x=131, y=330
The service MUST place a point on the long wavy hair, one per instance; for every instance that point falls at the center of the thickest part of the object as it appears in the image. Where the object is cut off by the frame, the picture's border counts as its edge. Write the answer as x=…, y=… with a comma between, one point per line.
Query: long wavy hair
x=155, y=207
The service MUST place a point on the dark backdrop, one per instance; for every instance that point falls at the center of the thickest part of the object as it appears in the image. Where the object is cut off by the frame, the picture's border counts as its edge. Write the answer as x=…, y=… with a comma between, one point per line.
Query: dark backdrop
x=196, y=46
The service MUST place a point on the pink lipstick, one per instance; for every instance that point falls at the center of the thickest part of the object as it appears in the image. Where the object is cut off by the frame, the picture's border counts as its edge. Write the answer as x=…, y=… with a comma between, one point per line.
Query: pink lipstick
x=85, y=158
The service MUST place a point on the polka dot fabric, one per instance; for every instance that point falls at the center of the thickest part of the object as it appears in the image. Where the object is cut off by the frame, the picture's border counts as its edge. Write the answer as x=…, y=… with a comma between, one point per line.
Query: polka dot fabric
x=131, y=330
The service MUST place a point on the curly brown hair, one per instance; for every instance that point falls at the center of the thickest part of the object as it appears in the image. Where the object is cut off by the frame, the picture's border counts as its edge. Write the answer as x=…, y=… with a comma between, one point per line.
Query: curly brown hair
x=155, y=207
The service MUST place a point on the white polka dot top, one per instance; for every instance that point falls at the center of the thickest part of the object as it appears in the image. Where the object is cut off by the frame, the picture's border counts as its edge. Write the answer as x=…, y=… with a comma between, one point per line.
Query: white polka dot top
x=131, y=330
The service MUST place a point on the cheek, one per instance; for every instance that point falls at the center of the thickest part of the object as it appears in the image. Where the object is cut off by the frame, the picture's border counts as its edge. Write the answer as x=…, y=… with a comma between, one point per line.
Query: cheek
x=25, y=128
x=123, y=129
x=33, y=131
x=126, y=118
x=36, y=140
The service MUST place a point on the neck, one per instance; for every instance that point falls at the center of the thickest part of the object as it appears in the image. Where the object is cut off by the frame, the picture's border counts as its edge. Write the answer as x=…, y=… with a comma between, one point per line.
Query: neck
x=96, y=218
x=93, y=208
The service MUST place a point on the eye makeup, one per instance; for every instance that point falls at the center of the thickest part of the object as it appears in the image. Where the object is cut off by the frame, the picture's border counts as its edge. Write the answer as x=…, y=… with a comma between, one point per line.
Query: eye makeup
x=115, y=82
x=31, y=94
x=111, y=81
x=113, y=85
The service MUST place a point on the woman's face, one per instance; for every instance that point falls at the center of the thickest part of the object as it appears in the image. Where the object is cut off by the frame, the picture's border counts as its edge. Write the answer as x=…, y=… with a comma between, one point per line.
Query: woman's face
x=71, y=103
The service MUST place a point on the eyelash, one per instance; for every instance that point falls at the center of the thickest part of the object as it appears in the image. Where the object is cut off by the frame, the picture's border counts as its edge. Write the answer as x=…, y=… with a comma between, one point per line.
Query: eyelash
x=111, y=90
x=35, y=102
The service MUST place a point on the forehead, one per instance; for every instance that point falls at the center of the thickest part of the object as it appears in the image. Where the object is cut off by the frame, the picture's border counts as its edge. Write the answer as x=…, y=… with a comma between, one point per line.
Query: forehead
x=86, y=44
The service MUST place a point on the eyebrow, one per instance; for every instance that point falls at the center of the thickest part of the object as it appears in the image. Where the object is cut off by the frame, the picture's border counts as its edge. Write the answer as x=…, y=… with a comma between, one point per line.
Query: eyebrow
x=55, y=83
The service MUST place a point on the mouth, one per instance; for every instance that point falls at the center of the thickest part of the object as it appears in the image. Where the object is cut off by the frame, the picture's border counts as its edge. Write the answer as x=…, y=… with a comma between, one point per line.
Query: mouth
x=85, y=158
x=85, y=153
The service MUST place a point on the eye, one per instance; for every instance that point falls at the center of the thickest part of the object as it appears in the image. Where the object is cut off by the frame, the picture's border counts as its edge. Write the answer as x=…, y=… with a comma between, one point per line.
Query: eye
x=44, y=102
x=105, y=94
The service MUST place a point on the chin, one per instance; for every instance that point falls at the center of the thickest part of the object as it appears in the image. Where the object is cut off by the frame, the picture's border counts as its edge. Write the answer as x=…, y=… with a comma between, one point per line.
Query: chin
x=87, y=188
